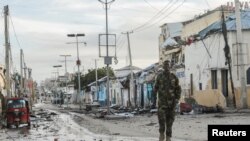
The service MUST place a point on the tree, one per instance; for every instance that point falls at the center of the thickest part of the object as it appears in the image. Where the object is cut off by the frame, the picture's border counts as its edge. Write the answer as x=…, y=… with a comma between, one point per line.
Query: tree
x=90, y=77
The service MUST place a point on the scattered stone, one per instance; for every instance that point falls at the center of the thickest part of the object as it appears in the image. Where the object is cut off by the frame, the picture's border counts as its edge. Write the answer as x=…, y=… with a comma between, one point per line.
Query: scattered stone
x=53, y=113
x=151, y=124
x=219, y=116
x=49, y=119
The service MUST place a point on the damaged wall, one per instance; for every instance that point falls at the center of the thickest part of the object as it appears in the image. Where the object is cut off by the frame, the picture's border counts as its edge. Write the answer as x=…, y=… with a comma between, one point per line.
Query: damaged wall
x=201, y=62
x=210, y=98
x=238, y=94
x=200, y=23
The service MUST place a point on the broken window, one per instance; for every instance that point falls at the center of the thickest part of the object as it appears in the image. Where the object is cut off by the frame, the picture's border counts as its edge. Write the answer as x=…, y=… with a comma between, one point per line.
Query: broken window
x=200, y=86
x=248, y=76
x=183, y=58
x=175, y=58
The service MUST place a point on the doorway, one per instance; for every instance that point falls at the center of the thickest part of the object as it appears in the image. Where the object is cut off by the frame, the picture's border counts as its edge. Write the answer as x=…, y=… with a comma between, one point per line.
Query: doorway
x=224, y=82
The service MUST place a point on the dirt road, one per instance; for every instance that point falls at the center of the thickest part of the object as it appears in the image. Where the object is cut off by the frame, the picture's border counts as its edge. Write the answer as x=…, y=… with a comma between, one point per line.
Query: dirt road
x=186, y=127
x=52, y=125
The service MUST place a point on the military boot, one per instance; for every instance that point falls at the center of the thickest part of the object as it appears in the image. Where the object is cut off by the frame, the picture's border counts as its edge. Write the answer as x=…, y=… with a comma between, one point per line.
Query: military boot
x=168, y=138
x=161, y=137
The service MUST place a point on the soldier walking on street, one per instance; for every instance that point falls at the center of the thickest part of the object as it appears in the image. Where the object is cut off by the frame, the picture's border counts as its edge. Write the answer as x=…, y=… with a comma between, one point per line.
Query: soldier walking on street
x=169, y=90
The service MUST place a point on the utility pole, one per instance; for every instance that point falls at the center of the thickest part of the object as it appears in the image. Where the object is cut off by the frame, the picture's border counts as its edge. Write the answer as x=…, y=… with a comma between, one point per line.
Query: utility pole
x=30, y=88
x=131, y=71
x=78, y=63
x=227, y=55
x=96, y=80
x=107, y=59
x=65, y=61
x=21, y=71
x=66, y=76
x=7, y=50
x=25, y=78
x=57, y=66
x=243, y=97
x=55, y=86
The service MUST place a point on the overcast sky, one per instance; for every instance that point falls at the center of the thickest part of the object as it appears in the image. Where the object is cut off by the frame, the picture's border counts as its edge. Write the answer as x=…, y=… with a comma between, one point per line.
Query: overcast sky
x=41, y=27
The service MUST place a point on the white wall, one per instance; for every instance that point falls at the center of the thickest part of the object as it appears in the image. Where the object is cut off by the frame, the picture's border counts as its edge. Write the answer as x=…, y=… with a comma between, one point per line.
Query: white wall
x=125, y=97
x=116, y=90
x=198, y=62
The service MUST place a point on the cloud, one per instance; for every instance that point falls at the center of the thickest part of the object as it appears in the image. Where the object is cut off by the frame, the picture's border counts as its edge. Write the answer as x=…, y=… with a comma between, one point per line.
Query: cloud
x=42, y=27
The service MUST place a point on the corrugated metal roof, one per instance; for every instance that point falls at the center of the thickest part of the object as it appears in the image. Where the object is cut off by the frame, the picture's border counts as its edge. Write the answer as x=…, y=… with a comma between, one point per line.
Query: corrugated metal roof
x=128, y=68
x=230, y=23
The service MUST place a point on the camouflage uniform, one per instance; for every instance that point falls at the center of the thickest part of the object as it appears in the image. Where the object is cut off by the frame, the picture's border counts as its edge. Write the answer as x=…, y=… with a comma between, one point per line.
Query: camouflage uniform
x=169, y=90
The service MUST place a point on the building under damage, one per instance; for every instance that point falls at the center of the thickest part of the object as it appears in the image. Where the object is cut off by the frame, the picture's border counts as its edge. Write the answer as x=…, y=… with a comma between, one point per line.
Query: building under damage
x=196, y=49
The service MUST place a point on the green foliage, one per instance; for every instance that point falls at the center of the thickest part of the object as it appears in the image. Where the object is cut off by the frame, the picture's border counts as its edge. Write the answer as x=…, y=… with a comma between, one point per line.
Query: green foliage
x=90, y=77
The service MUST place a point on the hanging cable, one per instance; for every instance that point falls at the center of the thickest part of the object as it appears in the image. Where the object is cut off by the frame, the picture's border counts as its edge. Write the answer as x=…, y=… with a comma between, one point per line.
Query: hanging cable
x=121, y=45
x=151, y=5
x=14, y=32
x=159, y=20
x=208, y=4
x=155, y=16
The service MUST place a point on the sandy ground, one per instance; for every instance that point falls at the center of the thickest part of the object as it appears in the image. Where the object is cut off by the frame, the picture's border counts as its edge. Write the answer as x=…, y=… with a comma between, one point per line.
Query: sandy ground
x=186, y=127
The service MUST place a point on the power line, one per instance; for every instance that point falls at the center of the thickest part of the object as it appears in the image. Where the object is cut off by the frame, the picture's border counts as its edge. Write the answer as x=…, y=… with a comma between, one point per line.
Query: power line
x=15, y=32
x=161, y=12
x=151, y=5
x=118, y=39
x=121, y=45
x=208, y=4
x=121, y=39
x=155, y=16
x=159, y=20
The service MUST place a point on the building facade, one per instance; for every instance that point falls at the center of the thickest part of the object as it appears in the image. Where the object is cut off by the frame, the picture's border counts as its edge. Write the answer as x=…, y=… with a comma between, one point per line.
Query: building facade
x=203, y=70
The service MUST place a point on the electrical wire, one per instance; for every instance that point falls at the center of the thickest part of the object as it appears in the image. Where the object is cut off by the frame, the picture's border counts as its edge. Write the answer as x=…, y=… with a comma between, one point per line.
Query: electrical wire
x=151, y=5
x=156, y=22
x=155, y=16
x=118, y=39
x=218, y=52
x=162, y=13
x=12, y=65
x=121, y=45
x=204, y=58
x=208, y=4
x=14, y=32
